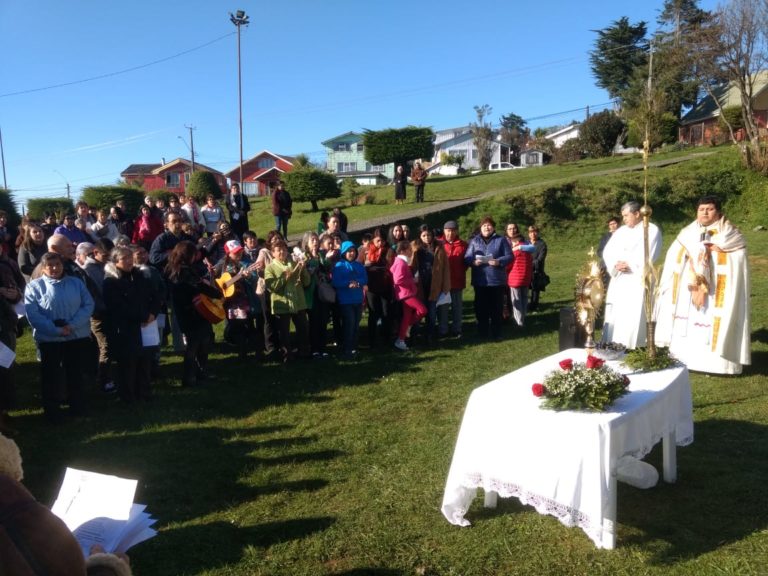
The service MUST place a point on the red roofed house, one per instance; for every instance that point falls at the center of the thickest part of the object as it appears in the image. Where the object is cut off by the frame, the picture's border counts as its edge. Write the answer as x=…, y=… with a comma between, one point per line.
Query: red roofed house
x=261, y=173
x=172, y=176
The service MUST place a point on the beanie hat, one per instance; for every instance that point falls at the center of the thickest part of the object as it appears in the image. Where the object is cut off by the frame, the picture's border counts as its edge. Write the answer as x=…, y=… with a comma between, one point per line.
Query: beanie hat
x=345, y=246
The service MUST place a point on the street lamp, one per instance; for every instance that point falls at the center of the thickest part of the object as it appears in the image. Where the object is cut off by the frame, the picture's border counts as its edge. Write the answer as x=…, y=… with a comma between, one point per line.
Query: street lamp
x=239, y=19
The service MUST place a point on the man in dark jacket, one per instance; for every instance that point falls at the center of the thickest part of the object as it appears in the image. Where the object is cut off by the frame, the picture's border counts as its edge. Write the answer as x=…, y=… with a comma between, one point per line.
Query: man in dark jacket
x=238, y=206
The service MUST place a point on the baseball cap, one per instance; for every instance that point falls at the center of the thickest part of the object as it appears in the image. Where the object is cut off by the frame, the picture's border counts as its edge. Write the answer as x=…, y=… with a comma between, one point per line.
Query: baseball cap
x=233, y=247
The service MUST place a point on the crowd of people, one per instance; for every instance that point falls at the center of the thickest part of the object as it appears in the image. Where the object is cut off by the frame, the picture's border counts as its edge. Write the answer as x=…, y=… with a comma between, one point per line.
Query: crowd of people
x=97, y=284
x=103, y=291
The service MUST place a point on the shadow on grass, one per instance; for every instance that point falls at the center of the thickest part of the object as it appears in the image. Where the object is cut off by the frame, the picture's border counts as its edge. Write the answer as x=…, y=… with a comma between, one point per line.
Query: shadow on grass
x=716, y=501
x=221, y=544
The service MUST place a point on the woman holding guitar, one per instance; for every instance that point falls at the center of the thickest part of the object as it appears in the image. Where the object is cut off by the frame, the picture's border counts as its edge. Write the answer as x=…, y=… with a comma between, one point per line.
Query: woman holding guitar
x=187, y=285
x=236, y=278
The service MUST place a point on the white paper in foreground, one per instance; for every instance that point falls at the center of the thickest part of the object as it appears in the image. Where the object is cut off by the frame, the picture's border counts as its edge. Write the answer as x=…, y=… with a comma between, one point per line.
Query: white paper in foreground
x=150, y=334
x=7, y=356
x=99, y=509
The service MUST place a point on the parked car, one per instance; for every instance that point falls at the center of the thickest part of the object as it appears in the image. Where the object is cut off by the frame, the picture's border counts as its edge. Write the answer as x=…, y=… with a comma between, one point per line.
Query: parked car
x=501, y=166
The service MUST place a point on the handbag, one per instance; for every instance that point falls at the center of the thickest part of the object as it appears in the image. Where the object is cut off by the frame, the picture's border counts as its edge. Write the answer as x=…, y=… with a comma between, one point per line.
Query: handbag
x=326, y=292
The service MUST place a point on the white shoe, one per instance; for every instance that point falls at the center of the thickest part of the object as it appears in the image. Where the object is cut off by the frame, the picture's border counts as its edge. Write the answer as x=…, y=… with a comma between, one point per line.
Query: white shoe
x=401, y=345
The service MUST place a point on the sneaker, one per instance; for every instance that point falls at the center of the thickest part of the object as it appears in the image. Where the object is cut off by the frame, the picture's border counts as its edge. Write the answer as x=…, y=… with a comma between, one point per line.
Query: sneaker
x=401, y=345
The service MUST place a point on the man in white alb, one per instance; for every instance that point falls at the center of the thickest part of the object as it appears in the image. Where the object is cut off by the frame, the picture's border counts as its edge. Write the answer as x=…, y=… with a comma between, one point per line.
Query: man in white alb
x=624, y=257
x=704, y=294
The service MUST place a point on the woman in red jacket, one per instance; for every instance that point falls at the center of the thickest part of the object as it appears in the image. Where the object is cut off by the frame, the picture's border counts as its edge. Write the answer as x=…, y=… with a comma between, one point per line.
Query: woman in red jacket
x=519, y=273
x=147, y=228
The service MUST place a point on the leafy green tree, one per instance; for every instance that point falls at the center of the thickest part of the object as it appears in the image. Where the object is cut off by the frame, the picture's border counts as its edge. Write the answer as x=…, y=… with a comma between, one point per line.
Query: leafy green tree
x=307, y=184
x=352, y=191
x=482, y=136
x=302, y=161
x=37, y=207
x=599, y=133
x=201, y=184
x=619, y=50
x=449, y=159
x=9, y=206
x=571, y=151
x=514, y=132
x=731, y=115
x=398, y=145
x=104, y=197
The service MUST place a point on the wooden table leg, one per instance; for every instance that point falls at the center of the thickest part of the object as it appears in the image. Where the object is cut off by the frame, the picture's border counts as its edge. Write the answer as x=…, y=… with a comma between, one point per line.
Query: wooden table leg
x=669, y=456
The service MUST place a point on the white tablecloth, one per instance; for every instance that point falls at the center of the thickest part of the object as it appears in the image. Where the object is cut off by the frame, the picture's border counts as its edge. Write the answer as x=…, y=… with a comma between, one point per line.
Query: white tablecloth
x=562, y=463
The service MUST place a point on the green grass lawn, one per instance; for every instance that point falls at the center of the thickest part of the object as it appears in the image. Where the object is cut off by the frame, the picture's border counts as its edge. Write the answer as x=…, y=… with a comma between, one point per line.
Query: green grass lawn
x=442, y=189
x=334, y=467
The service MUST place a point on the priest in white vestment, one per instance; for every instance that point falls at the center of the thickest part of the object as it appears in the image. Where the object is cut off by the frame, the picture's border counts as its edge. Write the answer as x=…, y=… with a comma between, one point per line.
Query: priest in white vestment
x=624, y=258
x=703, y=306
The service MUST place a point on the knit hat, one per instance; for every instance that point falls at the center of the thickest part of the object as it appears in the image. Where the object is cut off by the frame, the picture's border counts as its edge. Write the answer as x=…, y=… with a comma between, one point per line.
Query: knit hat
x=450, y=225
x=345, y=246
x=233, y=247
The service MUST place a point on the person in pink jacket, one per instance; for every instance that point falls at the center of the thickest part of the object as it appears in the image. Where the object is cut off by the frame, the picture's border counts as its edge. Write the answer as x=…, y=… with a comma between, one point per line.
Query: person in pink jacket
x=406, y=292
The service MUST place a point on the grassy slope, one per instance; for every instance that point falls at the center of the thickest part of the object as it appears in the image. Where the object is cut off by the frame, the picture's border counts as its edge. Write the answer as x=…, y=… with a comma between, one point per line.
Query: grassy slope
x=339, y=468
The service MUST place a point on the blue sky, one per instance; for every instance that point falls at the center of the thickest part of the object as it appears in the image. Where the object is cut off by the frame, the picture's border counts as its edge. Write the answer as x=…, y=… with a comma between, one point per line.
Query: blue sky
x=312, y=69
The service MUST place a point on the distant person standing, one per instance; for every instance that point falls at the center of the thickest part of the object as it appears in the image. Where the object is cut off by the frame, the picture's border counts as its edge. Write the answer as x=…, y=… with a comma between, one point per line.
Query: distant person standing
x=540, y=279
x=418, y=176
x=613, y=225
x=238, y=206
x=455, y=248
x=401, y=184
x=282, y=208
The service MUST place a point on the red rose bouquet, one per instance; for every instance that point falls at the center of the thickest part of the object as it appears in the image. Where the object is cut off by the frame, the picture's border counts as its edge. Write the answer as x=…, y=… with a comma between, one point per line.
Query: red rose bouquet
x=590, y=386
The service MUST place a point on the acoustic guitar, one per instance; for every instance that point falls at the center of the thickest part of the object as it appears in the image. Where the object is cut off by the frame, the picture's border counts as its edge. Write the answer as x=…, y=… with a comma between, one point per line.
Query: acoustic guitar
x=226, y=282
x=212, y=309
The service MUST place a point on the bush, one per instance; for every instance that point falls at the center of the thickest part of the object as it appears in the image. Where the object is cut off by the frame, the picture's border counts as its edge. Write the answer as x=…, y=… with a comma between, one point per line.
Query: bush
x=37, y=207
x=311, y=185
x=9, y=206
x=104, y=197
x=599, y=133
x=571, y=151
x=201, y=184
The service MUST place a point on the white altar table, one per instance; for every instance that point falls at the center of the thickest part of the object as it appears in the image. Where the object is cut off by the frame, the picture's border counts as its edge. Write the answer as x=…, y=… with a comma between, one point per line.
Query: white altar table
x=564, y=463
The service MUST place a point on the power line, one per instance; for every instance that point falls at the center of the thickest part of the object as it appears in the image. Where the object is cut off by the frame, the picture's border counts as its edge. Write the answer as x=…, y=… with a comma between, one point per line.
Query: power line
x=118, y=72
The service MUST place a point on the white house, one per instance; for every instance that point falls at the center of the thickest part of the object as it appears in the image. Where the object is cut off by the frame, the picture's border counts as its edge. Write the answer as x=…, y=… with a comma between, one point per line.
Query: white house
x=460, y=141
x=531, y=157
x=560, y=137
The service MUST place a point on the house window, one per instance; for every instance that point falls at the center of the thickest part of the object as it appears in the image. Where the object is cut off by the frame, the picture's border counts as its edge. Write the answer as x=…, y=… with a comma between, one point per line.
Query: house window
x=251, y=188
x=532, y=158
x=374, y=168
x=186, y=177
x=172, y=180
x=360, y=147
x=265, y=163
x=474, y=153
x=346, y=167
x=342, y=147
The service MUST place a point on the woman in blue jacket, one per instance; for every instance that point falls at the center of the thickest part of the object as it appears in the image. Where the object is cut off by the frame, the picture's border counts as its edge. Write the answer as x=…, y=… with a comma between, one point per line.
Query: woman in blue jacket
x=59, y=310
x=487, y=256
x=350, y=280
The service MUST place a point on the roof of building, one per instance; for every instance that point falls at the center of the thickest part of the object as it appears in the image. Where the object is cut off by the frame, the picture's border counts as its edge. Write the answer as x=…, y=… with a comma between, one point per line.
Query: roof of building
x=727, y=95
x=235, y=171
x=342, y=136
x=183, y=162
x=137, y=169
x=562, y=131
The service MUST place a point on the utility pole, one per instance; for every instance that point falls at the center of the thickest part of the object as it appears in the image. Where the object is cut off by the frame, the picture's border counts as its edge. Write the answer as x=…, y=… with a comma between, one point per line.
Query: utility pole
x=65, y=181
x=2, y=155
x=191, y=144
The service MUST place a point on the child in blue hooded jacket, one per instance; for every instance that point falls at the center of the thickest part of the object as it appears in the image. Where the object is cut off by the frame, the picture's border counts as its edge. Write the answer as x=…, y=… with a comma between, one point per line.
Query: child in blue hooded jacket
x=350, y=280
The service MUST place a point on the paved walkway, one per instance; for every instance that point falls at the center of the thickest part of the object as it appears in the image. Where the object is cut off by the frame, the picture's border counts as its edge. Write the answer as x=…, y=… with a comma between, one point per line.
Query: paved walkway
x=421, y=210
